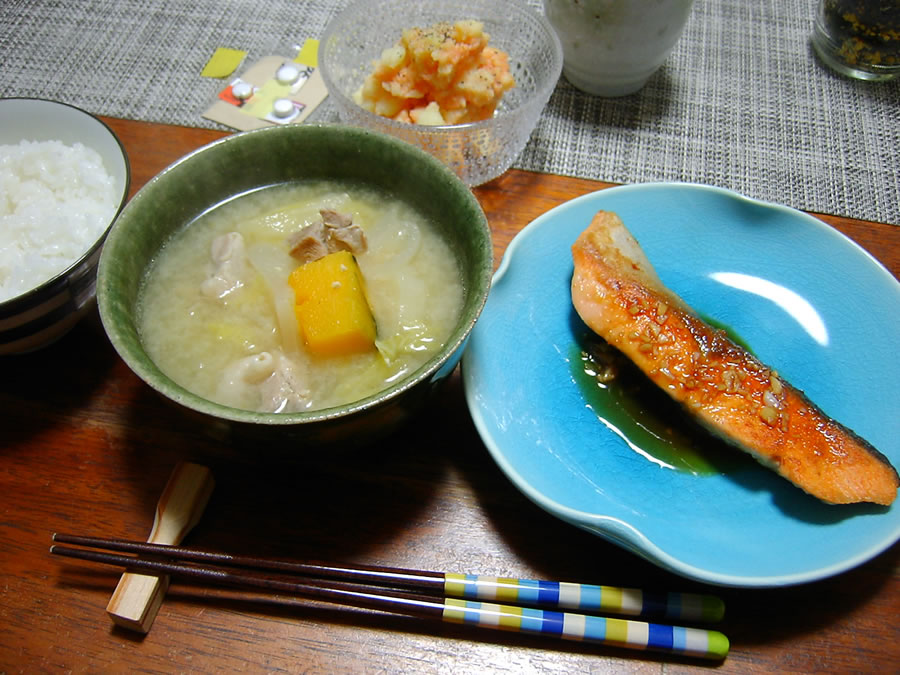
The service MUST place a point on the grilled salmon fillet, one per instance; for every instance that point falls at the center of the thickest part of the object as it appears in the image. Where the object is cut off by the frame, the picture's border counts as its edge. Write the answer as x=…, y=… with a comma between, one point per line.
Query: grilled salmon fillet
x=618, y=295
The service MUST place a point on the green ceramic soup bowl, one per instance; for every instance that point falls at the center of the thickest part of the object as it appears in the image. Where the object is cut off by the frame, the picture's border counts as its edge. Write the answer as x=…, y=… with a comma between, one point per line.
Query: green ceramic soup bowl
x=251, y=160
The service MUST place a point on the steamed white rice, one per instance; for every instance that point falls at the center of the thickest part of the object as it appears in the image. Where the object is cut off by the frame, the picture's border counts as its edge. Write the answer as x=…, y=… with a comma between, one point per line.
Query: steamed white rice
x=55, y=201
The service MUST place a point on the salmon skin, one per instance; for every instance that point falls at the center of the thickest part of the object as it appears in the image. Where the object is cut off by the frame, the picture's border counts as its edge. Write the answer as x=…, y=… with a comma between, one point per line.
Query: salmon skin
x=617, y=293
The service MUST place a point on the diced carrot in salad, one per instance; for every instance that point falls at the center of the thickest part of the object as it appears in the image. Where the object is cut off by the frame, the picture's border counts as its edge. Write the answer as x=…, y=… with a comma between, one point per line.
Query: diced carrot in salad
x=444, y=74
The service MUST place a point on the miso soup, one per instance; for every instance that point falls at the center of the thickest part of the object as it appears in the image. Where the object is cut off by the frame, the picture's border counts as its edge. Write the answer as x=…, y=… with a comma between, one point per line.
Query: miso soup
x=218, y=315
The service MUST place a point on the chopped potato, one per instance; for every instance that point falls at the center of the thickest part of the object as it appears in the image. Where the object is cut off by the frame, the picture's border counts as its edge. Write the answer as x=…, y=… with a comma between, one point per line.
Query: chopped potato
x=445, y=74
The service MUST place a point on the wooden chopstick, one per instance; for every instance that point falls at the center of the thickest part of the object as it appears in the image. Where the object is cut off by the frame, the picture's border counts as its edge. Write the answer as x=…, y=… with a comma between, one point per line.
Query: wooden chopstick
x=345, y=585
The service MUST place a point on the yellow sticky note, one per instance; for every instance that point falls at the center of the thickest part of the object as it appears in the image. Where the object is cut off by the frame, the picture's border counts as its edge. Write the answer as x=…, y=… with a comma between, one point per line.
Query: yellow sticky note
x=309, y=54
x=223, y=62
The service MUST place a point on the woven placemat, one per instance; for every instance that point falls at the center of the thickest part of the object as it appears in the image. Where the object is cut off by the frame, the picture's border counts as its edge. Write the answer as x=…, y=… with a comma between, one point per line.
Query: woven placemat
x=742, y=102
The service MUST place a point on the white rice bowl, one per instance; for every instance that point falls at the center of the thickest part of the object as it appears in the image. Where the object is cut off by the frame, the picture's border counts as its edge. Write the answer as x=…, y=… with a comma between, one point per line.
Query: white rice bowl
x=64, y=177
x=55, y=201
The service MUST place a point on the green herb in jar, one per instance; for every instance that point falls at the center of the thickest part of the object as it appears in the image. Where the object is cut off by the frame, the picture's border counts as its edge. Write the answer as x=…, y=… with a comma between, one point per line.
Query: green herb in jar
x=868, y=31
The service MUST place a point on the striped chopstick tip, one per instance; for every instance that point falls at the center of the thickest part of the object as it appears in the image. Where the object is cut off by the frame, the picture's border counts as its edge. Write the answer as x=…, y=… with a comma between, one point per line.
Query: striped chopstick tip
x=718, y=645
x=713, y=608
x=626, y=633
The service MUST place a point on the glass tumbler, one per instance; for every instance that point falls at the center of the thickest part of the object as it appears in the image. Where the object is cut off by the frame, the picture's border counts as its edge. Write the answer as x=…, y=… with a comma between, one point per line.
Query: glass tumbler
x=859, y=38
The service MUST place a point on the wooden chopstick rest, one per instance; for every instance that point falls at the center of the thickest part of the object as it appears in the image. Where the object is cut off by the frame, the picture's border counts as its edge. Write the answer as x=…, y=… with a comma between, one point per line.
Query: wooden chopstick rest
x=137, y=597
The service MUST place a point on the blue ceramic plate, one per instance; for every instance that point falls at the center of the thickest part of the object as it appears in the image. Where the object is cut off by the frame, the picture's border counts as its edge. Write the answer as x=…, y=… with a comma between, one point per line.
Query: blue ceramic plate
x=806, y=299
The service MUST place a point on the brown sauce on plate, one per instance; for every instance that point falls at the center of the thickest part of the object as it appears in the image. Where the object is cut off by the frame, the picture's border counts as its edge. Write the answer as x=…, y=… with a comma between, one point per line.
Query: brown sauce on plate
x=630, y=405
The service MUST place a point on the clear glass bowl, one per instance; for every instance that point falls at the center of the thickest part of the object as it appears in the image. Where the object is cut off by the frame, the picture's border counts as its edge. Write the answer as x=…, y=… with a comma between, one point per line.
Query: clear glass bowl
x=479, y=151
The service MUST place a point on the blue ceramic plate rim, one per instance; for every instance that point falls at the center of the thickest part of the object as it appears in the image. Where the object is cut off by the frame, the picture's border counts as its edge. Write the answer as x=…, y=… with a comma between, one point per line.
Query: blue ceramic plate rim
x=705, y=242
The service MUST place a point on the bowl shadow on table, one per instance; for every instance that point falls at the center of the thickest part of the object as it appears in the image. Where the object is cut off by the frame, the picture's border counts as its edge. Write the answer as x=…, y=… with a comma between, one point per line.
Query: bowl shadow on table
x=31, y=392
x=291, y=501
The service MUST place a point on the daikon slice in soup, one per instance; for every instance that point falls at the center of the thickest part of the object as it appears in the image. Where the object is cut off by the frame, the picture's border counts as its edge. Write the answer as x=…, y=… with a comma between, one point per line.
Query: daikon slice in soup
x=299, y=297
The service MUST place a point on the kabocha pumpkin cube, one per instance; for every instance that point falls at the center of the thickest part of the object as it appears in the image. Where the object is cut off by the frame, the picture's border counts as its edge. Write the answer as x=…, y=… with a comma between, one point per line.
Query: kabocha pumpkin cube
x=331, y=306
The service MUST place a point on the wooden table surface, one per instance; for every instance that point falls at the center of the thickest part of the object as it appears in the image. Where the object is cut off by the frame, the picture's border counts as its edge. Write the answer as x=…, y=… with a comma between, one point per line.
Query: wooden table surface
x=85, y=447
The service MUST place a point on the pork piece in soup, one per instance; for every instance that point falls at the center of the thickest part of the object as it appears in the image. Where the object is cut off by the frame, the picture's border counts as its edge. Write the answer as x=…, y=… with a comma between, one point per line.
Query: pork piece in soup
x=299, y=297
